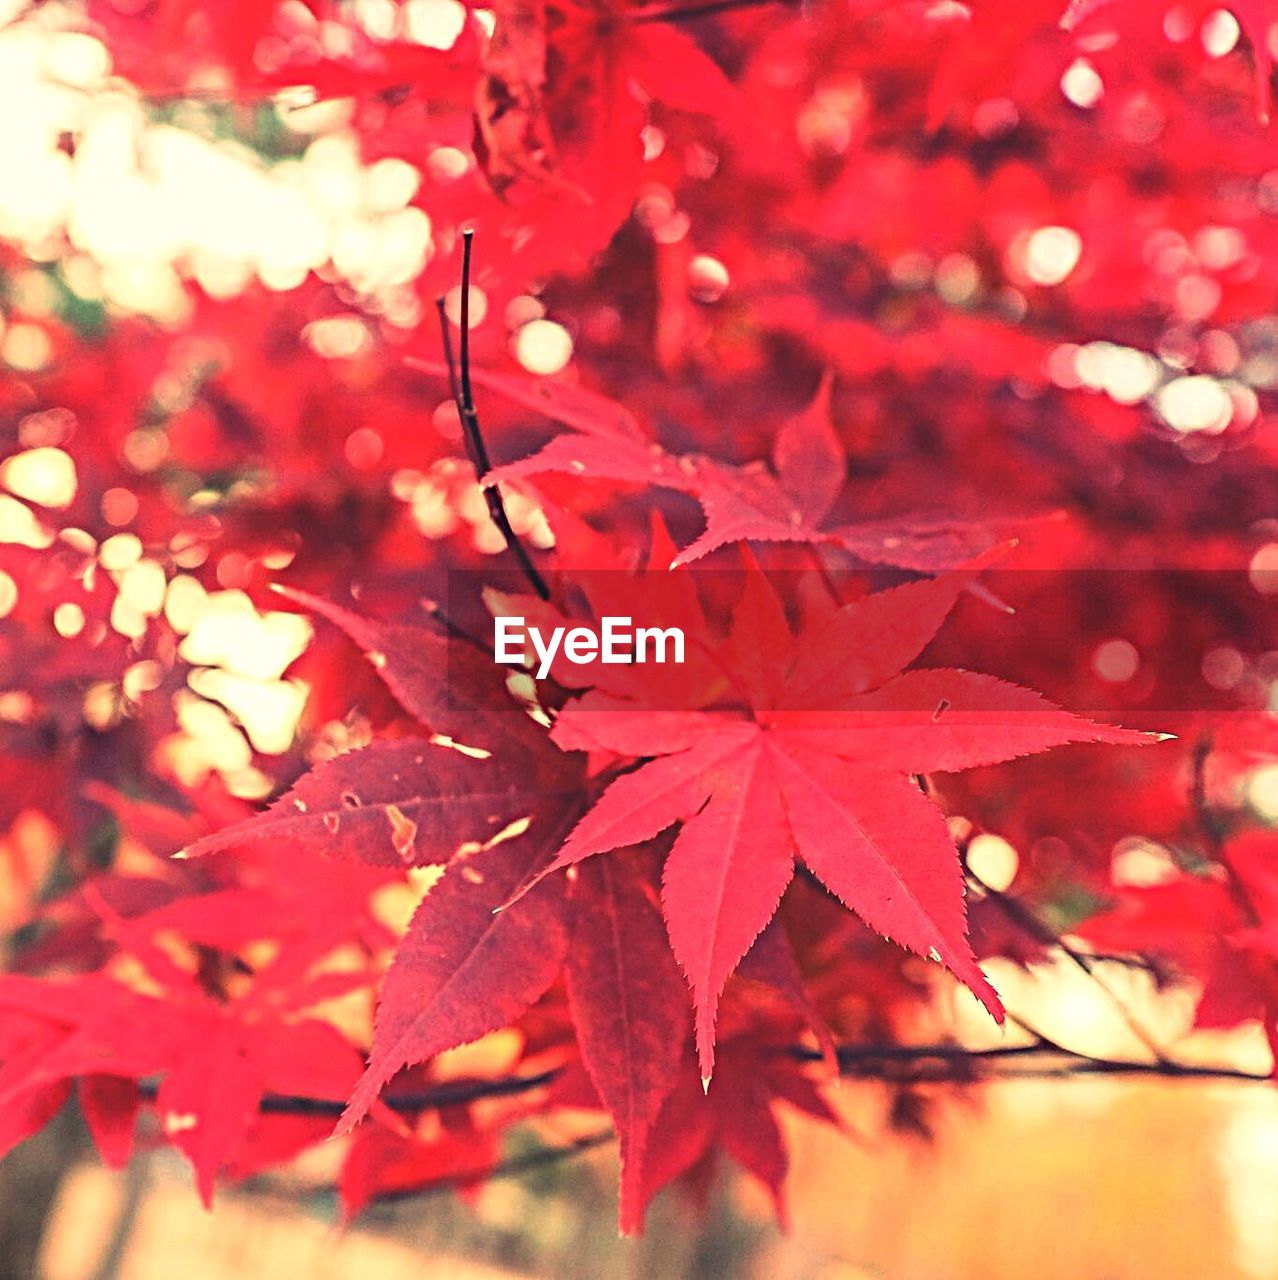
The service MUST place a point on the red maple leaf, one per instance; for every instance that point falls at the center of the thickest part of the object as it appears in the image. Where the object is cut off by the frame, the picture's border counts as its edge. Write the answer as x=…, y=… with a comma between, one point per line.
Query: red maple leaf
x=413, y=801
x=629, y=1007
x=738, y=1116
x=1216, y=927
x=792, y=501
x=563, y=101
x=816, y=761
x=382, y=1161
x=216, y=1061
x=462, y=970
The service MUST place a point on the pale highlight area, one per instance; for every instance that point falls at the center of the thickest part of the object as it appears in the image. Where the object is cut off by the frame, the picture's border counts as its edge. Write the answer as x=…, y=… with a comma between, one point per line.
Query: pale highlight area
x=543, y=347
x=227, y=631
x=135, y=207
x=237, y=701
x=28, y=855
x=1055, y=1181
x=172, y=1224
x=44, y=475
x=1187, y=404
x=993, y=861
x=1051, y=254
x=1044, y=256
x=1051, y=1179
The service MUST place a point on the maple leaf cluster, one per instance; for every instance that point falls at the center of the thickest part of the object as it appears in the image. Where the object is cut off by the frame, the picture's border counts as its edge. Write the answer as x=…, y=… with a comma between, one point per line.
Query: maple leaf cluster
x=918, y=358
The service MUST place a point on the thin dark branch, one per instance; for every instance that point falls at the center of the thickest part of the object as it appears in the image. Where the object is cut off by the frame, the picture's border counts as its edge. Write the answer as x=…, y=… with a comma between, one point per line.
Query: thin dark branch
x=1117, y=959
x=853, y=1056
x=1022, y=916
x=1038, y=1037
x=957, y=1064
x=895, y=1064
x=449, y=1093
x=1076, y=1068
x=467, y=391
x=1215, y=831
x=454, y=387
x=1209, y=823
x=137, y=1180
x=455, y=629
x=463, y=396
x=684, y=12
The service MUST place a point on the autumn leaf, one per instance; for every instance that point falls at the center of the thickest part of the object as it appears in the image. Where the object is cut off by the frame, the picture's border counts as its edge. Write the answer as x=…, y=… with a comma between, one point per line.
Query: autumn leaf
x=739, y=1115
x=789, y=503
x=464, y=968
x=629, y=1007
x=825, y=775
x=562, y=103
x=412, y=802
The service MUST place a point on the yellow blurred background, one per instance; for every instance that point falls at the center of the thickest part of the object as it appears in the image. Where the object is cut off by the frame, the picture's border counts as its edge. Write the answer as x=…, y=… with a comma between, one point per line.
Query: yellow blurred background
x=1023, y=1179
x=1082, y=1180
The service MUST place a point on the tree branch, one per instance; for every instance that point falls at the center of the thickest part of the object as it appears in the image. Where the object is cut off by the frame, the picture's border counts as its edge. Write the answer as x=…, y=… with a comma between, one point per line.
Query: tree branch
x=448, y=1093
x=463, y=397
x=683, y=12
x=957, y=1064
x=1019, y=914
x=894, y=1064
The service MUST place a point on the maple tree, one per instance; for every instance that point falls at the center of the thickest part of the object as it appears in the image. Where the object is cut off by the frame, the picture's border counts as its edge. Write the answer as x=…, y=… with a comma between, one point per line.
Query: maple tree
x=915, y=361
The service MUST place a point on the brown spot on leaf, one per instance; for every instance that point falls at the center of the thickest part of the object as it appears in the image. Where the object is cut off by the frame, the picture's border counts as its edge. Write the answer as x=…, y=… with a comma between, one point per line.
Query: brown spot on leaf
x=403, y=831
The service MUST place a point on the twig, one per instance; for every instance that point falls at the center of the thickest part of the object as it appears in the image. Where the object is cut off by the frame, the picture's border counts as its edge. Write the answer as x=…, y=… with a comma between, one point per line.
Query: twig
x=1079, y=1067
x=952, y=1063
x=1021, y=915
x=682, y=12
x=896, y=1064
x=1211, y=828
x=1041, y=1039
x=449, y=1093
x=463, y=397
x=1215, y=833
